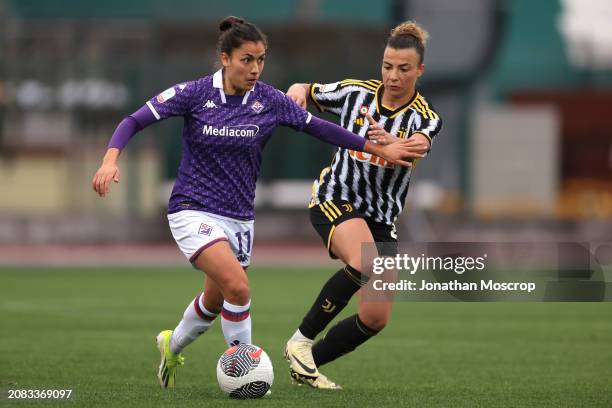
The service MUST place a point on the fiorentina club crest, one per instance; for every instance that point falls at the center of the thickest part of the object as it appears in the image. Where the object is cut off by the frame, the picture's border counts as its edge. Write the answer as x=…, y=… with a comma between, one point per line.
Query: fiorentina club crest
x=257, y=107
x=205, y=229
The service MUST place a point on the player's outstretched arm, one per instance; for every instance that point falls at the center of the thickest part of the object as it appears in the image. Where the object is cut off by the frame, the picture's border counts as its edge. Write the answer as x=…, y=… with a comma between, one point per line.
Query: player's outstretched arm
x=396, y=153
x=109, y=170
x=299, y=94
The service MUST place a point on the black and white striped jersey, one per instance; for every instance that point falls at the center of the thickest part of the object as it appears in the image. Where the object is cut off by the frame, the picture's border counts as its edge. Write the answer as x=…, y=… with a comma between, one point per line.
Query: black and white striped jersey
x=374, y=186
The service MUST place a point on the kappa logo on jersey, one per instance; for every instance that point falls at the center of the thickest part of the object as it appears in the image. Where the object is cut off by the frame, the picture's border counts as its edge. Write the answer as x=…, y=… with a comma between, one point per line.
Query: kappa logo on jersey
x=329, y=87
x=257, y=107
x=205, y=229
x=167, y=94
x=232, y=131
x=210, y=104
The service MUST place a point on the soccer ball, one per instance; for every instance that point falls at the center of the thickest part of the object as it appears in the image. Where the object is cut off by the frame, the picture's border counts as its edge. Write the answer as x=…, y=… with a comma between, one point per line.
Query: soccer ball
x=245, y=372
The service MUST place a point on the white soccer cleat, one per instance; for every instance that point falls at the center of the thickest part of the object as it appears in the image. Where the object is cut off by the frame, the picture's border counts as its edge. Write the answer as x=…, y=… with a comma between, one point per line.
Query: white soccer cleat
x=299, y=355
x=302, y=367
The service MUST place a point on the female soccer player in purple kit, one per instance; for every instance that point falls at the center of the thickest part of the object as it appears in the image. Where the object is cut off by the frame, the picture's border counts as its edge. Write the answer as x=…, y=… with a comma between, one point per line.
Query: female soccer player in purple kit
x=228, y=118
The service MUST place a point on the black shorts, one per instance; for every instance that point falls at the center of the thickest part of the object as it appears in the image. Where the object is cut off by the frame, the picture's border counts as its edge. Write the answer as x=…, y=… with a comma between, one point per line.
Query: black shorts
x=326, y=216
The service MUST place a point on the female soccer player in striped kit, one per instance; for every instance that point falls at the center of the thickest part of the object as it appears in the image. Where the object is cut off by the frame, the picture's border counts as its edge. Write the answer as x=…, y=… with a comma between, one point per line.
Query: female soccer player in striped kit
x=228, y=117
x=358, y=198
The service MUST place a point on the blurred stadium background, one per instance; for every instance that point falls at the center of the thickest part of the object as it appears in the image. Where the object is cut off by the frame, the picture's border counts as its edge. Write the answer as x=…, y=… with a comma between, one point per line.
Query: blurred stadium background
x=525, y=90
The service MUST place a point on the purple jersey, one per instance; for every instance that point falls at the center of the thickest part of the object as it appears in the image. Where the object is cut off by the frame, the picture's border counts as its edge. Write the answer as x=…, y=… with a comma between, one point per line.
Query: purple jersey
x=223, y=142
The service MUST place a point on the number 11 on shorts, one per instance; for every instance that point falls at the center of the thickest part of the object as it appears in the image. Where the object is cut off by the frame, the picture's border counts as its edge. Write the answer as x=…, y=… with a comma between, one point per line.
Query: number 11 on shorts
x=247, y=235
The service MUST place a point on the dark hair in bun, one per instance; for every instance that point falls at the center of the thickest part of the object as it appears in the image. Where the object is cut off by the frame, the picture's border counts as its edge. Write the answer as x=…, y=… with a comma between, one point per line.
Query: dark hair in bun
x=228, y=21
x=235, y=31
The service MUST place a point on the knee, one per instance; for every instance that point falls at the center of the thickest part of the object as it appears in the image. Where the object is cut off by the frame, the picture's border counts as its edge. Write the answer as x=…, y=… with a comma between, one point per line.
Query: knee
x=374, y=321
x=214, y=307
x=237, y=293
x=354, y=262
x=349, y=256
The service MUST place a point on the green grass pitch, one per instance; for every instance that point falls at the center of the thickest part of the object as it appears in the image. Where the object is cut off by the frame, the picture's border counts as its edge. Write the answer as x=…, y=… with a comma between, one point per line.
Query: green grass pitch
x=91, y=330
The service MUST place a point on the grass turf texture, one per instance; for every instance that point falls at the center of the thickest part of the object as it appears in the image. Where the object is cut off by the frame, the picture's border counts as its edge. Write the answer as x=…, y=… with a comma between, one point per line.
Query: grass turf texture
x=91, y=330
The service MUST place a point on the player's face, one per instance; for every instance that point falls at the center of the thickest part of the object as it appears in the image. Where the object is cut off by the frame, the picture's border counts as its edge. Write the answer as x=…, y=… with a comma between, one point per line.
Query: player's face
x=400, y=70
x=243, y=67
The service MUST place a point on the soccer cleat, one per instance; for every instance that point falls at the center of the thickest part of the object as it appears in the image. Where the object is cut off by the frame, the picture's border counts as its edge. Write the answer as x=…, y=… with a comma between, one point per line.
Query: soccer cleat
x=169, y=361
x=299, y=355
x=302, y=367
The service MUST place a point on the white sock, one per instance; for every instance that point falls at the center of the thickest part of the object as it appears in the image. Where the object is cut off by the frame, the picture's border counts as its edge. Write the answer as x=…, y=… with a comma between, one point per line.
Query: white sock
x=236, y=323
x=298, y=336
x=196, y=320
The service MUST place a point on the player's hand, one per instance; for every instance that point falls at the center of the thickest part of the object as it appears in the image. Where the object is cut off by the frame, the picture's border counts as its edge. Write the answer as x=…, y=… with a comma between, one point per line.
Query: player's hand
x=396, y=153
x=399, y=153
x=378, y=134
x=298, y=94
x=389, y=147
x=102, y=179
x=418, y=143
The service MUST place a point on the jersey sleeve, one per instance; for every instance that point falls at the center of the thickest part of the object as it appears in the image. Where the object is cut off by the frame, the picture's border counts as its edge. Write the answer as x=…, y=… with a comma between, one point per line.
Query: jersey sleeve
x=427, y=121
x=289, y=113
x=174, y=101
x=330, y=97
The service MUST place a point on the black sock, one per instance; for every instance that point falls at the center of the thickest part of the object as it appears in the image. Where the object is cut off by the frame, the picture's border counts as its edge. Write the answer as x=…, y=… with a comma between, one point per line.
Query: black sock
x=334, y=296
x=341, y=339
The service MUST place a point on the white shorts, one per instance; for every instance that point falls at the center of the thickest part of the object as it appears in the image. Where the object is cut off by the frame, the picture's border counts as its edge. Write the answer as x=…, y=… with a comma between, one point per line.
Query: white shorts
x=194, y=231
